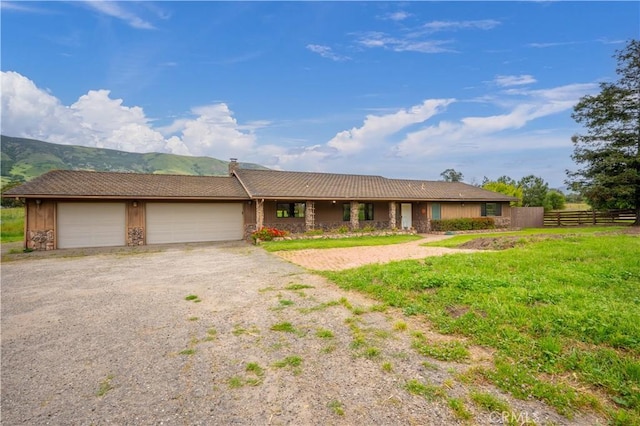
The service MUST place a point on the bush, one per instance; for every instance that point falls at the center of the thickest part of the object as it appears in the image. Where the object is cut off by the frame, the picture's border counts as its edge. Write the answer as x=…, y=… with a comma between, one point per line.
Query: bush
x=463, y=224
x=267, y=234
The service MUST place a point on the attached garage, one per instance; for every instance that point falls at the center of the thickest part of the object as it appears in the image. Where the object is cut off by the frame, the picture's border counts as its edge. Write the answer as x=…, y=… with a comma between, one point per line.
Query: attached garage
x=193, y=222
x=91, y=224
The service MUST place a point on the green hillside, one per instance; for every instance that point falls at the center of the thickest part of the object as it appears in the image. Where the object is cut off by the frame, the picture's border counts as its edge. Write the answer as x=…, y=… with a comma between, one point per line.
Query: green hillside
x=24, y=159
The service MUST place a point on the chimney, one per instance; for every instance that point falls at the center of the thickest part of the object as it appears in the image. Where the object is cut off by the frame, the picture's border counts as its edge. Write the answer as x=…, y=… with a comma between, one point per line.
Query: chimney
x=233, y=165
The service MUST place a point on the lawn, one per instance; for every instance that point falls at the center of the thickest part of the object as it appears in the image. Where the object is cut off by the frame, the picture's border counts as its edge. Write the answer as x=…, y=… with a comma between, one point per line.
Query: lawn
x=326, y=243
x=463, y=238
x=12, y=224
x=561, y=316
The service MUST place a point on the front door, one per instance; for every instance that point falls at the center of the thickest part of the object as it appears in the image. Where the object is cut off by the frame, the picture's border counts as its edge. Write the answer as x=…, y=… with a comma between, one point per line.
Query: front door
x=405, y=214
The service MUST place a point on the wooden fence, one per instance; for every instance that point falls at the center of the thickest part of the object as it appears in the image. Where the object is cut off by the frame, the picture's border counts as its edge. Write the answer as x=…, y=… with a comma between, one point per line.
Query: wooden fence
x=527, y=217
x=588, y=217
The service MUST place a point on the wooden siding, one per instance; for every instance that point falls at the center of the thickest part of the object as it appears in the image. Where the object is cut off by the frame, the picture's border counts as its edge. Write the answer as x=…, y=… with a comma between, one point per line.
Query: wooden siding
x=136, y=214
x=455, y=210
x=40, y=225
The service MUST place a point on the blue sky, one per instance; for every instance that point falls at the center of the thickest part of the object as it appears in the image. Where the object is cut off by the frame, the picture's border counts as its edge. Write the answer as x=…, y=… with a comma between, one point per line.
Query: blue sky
x=399, y=89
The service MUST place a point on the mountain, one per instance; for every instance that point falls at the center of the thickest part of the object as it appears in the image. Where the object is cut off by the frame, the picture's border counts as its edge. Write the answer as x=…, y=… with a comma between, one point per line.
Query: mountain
x=23, y=159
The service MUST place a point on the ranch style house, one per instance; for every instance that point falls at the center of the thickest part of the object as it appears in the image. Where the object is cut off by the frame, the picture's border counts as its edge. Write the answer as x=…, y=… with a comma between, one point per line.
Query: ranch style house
x=70, y=209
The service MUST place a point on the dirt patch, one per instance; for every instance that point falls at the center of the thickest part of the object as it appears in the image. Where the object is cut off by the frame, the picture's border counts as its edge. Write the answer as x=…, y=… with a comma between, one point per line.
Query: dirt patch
x=507, y=242
x=109, y=338
x=337, y=259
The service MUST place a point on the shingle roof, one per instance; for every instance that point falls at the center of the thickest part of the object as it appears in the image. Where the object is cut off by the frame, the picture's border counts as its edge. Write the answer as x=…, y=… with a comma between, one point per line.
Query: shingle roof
x=268, y=184
x=68, y=183
x=273, y=184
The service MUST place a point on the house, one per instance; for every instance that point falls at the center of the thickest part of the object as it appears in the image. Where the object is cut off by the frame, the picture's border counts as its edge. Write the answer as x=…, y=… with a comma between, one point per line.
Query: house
x=68, y=209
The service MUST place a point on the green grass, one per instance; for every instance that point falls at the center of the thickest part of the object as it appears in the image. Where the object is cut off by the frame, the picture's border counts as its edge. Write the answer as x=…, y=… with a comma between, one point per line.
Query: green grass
x=557, y=308
x=105, y=386
x=286, y=327
x=458, y=408
x=11, y=224
x=337, y=407
x=454, y=242
x=289, y=245
x=290, y=361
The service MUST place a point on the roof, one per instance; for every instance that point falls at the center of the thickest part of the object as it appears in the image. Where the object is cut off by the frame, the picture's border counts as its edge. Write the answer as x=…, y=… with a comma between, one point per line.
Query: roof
x=247, y=184
x=272, y=184
x=86, y=184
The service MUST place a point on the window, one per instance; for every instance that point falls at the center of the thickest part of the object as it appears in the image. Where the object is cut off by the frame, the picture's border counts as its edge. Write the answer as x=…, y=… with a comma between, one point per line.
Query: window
x=491, y=209
x=290, y=209
x=365, y=213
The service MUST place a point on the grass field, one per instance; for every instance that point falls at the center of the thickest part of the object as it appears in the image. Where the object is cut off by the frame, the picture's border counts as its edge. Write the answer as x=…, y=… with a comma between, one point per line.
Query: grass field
x=11, y=224
x=561, y=316
x=337, y=242
x=463, y=238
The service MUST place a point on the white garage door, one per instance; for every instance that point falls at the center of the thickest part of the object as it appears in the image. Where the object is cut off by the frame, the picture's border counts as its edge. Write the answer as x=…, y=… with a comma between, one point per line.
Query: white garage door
x=193, y=222
x=91, y=224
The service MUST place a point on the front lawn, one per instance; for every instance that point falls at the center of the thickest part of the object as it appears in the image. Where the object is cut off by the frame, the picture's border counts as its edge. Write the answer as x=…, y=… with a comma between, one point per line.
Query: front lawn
x=326, y=243
x=561, y=316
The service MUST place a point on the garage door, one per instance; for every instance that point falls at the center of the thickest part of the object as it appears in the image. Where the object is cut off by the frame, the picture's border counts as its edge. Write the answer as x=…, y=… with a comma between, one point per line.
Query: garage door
x=193, y=222
x=91, y=224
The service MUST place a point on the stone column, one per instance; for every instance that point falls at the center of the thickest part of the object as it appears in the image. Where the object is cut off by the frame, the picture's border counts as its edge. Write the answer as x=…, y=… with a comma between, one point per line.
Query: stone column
x=309, y=215
x=355, y=215
x=259, y=214
x=392, y=215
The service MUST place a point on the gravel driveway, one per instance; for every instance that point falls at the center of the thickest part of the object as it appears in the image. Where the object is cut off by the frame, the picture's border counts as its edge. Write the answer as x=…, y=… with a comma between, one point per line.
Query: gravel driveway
x=108, y=338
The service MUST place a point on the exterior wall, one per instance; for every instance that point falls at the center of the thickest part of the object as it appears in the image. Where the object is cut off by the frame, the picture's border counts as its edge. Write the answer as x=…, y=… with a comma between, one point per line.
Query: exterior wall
x=455, y=210
x=328, y=216
x=40, y=225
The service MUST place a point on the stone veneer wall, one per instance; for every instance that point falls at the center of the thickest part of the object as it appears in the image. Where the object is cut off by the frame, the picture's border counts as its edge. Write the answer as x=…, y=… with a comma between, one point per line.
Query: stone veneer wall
x=41, y=240
x=135, y=236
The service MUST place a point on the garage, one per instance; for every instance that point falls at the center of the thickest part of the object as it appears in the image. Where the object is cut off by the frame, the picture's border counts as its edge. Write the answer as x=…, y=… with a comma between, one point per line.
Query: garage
x=91, y=224
x=193, y=222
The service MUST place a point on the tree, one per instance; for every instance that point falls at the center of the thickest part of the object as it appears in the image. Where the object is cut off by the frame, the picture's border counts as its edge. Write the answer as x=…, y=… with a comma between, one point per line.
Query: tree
x=10, y=201
x=609, y=149
x=554, y=200
x=506, y=189
x=534, y=191
x=450, y=175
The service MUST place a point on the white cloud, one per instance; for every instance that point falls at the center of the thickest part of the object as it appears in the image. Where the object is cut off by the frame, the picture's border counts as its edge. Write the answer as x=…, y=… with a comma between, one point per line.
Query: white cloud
x=326, y=52
x=484, y=24
x=20, y=7
x=551, y=44
x=481, y=131
x=97, y=120
x=376, y=128
x=398, y=16
x=116, y=10
x=382, y=40
x=514, y=80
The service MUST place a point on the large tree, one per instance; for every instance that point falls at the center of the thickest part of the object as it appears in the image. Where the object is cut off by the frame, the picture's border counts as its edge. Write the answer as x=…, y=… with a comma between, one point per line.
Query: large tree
x=534, y=191
x=609, y=149
x=450, y=175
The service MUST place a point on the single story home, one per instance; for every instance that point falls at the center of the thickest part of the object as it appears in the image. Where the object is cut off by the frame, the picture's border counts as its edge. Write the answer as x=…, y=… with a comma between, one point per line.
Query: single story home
x=69, y=209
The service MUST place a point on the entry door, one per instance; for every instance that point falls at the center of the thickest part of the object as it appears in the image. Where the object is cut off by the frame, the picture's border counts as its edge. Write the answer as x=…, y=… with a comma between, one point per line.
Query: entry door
x=435, y=211
x=405, y=214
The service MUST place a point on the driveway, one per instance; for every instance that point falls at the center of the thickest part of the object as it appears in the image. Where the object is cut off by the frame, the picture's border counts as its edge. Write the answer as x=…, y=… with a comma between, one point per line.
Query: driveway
x=108, y=338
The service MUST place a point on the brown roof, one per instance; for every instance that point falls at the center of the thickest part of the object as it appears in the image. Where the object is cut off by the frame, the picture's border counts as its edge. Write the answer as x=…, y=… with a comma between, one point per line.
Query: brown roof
x=268, y=184
x=85, y=184
x=273, y=184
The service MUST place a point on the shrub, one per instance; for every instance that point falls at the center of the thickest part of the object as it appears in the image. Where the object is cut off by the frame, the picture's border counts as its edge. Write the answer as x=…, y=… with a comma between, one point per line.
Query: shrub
x=463, y=224
x=267, y=234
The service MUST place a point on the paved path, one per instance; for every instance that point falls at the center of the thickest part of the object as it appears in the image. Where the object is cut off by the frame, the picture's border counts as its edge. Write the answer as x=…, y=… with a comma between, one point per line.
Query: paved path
x=337, y=259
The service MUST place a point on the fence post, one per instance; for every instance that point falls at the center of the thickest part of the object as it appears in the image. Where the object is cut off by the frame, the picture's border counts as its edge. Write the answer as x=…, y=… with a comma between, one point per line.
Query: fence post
x=594, y=216
x=558, y=214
